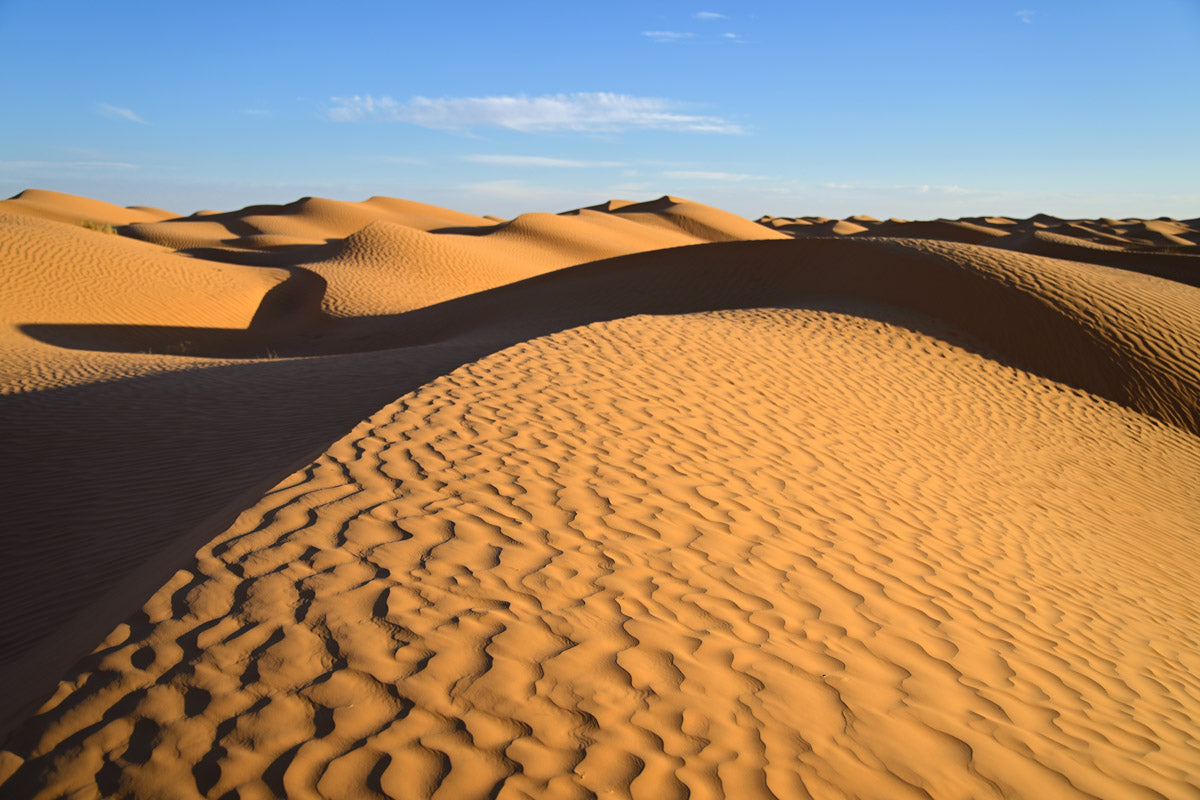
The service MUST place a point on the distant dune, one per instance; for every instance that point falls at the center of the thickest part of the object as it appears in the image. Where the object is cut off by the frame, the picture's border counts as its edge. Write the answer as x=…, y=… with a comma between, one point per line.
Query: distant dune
x=647, y=500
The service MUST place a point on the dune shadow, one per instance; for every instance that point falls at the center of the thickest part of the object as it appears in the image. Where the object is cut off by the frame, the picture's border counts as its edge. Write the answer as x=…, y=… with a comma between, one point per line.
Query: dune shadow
x=156, y=339
x=1174, y=263
x=472, y=230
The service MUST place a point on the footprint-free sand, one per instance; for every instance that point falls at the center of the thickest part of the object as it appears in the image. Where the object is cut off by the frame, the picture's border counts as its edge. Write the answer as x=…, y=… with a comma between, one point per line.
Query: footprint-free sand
x=646, y=500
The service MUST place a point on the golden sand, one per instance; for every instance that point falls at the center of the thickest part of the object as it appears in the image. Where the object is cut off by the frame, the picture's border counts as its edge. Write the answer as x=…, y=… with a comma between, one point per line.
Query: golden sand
x=384, y=500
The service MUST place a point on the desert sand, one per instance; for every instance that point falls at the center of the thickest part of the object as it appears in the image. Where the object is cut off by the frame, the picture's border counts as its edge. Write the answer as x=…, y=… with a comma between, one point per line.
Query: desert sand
x=643, y=500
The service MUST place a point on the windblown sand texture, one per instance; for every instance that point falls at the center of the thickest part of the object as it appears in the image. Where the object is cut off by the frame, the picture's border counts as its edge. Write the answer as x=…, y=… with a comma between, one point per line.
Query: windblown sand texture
x=641, y=500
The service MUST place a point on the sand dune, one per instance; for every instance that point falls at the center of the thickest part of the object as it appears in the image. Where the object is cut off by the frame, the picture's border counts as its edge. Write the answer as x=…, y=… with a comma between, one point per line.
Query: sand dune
x=76, y=210
x=1179, y=265
x=385, y=256
x=610, y=502
x=944, y=230
x=387, y=268
x=56, y=273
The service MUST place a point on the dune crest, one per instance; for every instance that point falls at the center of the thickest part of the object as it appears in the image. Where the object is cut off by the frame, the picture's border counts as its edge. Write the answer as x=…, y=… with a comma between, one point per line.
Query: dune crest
x=73, y=209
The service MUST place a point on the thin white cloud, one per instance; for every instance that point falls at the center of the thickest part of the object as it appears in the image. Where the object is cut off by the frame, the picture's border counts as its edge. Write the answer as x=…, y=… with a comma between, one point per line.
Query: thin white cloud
x=709, y=15
x=588, y=112
x=924, y=188
x=116, y=112
x=66, y=165
x=536, y=161
x=1025, y=15
x=699, y=175
x=256, y=112
x=668, y=36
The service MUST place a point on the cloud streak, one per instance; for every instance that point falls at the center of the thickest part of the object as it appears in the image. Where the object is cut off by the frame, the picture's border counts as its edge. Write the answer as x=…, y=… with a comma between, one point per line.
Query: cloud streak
x=1025, y=15
x=580, y=112
x=116, y=112
x=536, y=161
x=709, y=15
x=668, y=36
x=924, y=188
x=695, y=175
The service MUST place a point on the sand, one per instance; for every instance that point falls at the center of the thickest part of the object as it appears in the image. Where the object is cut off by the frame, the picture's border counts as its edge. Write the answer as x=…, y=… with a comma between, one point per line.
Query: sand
x=639, y=500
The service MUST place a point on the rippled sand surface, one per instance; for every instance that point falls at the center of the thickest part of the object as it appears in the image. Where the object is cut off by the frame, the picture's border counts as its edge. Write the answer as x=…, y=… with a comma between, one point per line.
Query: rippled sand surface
x=855, y=515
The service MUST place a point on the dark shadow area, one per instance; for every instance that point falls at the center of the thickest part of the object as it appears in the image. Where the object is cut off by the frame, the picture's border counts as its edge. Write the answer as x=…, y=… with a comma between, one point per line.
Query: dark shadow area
x=156, y=339
x=473, y=230
x=1171, y=263
x=284, y=256
x=120, y=483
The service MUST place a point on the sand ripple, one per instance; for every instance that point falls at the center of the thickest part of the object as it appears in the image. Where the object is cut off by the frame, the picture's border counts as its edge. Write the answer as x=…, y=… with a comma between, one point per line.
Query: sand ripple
x=697, y=555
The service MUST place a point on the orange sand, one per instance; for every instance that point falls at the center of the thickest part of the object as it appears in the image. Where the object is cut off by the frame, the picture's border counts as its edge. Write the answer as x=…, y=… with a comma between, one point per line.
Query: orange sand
x=383, y=500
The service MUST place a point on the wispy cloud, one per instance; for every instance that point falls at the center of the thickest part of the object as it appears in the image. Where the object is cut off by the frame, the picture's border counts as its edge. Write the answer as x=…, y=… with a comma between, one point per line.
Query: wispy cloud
x=578, y=112
x=1025, y=15
x=66, y=165
x=536, y=161
x=954, y=189
x=668, y=36
x=697, y=175
x=732, y=37
x=709, y=15
x=116, y=112
x=924, y=188
x=256, y=112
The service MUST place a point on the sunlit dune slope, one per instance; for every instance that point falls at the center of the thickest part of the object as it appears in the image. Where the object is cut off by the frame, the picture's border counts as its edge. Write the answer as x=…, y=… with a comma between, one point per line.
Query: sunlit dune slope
x=382, y=500
x=678, y=556
x=55, y=273
x=388, y=268
x=1115, y=333
x=76, y=210
x=309, y=221
x=386, y=255
x=99, y=330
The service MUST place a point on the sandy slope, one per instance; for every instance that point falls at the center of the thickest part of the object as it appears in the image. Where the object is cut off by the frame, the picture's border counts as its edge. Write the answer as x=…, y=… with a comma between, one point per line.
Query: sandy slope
x=106, y=355
x=385, y=256
x=656, y=578
x=77, y=210
x=844, y=516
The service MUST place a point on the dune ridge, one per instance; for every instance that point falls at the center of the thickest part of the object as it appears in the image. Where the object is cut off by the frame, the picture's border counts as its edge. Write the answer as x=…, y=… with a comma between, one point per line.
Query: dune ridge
x=659, y=511
x=73, y=209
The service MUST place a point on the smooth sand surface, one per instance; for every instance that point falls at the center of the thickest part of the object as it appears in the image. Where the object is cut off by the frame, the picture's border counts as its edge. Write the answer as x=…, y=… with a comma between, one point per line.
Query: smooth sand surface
x=383, y=500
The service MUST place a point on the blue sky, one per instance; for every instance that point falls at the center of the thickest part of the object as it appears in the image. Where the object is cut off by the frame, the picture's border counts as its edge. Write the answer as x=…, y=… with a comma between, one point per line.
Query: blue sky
x=911, y=109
